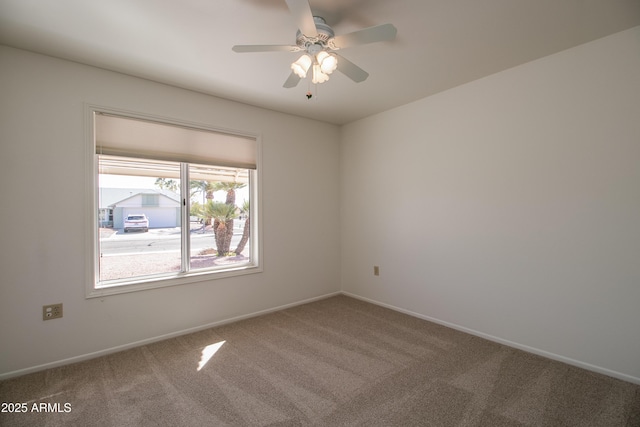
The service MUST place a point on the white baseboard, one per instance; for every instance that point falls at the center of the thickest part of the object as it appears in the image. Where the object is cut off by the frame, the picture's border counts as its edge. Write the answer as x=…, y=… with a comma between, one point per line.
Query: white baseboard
x=528, y=349
x=128, y=346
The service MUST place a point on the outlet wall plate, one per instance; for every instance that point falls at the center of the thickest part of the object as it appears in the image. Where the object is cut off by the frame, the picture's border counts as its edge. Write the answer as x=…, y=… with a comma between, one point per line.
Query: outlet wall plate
x=51, y=311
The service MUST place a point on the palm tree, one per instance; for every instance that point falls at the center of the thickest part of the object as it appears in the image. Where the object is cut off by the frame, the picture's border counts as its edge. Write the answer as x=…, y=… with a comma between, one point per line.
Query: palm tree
x=246, y=231
x=230, y=188
x=222, y=215
x=207, y=188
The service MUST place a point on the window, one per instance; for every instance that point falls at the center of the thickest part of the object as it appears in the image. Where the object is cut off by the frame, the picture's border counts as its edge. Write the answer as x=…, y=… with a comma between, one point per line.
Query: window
x=151, y=199
x=173, y=203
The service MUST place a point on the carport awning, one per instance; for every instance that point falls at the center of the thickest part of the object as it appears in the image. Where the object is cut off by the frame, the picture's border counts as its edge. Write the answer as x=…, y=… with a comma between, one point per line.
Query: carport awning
x=115, y=165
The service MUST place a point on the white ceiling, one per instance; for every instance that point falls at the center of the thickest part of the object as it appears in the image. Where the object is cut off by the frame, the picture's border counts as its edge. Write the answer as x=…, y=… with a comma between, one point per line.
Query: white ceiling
x=440, y=43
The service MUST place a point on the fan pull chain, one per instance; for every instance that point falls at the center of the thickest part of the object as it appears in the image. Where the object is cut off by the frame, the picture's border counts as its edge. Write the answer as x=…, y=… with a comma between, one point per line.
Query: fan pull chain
x=310, y=94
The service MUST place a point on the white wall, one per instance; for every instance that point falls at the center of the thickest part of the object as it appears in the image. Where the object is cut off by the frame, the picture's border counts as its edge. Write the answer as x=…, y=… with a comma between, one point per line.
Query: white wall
x=43, y=172
x=509, y=206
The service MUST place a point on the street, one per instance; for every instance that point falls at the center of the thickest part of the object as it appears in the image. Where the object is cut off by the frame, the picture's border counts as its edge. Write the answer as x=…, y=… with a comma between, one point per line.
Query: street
x=162, y=240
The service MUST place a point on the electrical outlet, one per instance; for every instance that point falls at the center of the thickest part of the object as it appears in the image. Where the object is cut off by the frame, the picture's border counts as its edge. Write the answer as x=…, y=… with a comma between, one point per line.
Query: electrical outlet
x=376, y=270
x=52, y=311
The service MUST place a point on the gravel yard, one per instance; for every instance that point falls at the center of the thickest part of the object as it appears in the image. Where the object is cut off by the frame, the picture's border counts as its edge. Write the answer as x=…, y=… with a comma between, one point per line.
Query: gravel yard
x=125, y=266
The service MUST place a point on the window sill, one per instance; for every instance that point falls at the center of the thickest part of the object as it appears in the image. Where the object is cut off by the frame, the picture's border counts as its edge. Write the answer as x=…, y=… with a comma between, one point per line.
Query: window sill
x=163, y=281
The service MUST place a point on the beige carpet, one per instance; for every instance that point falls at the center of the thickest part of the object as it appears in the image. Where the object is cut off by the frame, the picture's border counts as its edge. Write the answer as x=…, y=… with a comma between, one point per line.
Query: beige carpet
x=335, y=362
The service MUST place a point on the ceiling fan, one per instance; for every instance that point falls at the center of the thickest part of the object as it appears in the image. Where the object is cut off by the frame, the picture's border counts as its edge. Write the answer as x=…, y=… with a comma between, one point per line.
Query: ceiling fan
x=319, y=43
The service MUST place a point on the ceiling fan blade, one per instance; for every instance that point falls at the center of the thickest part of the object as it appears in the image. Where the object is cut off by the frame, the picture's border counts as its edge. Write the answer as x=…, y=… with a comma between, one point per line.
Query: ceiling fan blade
x=379, y=33
x=301, y=11
x=351, y=70
x=292, y=81
x=245, y=48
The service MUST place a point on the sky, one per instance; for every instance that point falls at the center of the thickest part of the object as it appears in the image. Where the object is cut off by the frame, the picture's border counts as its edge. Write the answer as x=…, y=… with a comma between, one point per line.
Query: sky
x=120, y=181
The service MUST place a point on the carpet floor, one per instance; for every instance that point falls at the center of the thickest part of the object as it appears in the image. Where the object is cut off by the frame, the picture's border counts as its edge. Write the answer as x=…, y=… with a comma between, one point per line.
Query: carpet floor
x=334, y=362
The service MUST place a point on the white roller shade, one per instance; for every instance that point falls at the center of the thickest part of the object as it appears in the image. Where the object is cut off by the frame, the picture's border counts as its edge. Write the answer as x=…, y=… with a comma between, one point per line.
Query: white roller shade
x=123, y=136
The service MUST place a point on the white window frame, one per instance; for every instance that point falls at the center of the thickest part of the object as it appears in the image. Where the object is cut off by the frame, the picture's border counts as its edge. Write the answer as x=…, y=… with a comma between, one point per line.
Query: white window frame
x=182, y=278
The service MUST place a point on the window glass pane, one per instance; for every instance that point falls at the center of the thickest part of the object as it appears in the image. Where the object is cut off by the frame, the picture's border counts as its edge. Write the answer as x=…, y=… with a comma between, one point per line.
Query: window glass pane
x=219, y=213
x=139, y=218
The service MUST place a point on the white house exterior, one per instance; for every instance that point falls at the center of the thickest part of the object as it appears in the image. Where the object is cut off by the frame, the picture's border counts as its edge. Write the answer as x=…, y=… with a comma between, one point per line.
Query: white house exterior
x=162, y=207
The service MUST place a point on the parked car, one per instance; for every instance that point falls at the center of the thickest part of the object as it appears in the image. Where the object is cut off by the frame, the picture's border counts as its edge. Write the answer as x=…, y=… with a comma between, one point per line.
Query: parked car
x=136, y=222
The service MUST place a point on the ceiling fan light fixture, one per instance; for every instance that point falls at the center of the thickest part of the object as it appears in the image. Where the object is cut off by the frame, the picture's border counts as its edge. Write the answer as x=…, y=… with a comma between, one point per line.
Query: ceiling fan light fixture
x=328, y=62
x=301, y=66
x=317, y=42
x=318, y=75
